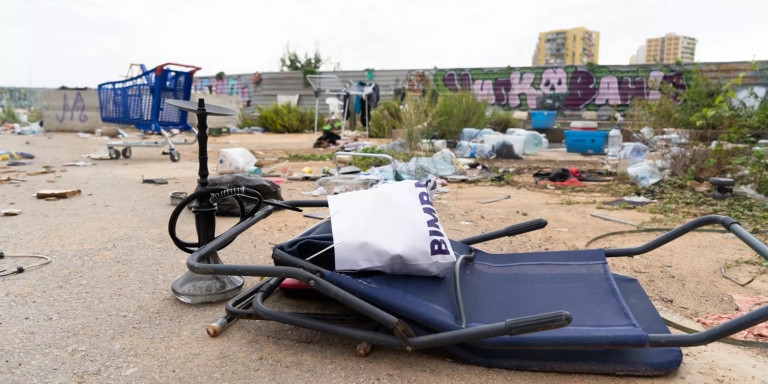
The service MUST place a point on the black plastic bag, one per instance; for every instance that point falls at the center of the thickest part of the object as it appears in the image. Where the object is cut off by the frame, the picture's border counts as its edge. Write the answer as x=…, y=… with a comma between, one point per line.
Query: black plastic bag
x=228, y=206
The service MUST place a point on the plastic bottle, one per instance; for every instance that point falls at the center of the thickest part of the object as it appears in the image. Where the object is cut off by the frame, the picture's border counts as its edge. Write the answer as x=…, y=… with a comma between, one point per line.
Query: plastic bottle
x=631, y=154
x=645, y=173
x=613, y=147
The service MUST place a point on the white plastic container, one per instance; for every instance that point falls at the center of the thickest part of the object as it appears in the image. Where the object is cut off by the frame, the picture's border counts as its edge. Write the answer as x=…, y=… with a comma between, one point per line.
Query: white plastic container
x=518, y=142
x=534, y=141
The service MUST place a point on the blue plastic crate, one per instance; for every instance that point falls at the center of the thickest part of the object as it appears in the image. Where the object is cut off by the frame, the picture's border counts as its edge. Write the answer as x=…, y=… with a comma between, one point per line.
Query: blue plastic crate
x=543, y=119
x=586, y=142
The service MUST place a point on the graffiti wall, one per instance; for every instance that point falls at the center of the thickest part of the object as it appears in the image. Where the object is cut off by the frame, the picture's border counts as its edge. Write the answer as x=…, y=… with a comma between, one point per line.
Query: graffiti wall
x=569, y=89
x=71, y=110
x=562, y=88
x=19, y=97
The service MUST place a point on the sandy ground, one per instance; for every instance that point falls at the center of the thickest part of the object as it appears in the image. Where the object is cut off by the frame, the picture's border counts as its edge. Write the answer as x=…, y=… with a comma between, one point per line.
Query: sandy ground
x=103, y=311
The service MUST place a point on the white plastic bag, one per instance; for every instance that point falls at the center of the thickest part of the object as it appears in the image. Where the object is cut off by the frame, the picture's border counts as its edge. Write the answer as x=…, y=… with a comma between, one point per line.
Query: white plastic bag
x=235, y=160
x=645, y=173
x=392, y=228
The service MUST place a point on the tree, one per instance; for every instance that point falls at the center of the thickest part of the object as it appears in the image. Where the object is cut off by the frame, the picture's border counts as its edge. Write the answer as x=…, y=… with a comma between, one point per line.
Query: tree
x=290, y=61
x=308, y=66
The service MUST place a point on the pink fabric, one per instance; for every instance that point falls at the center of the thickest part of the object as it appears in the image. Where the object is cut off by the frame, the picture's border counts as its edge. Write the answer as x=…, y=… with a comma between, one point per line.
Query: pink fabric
x=745, y=303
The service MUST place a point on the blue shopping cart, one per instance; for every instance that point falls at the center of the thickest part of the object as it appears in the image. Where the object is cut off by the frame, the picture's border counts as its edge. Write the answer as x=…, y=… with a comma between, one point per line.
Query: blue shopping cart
x=140, y=101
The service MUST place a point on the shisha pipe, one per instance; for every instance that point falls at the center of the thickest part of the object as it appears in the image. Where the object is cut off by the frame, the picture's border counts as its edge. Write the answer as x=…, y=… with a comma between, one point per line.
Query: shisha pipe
x=195, y=288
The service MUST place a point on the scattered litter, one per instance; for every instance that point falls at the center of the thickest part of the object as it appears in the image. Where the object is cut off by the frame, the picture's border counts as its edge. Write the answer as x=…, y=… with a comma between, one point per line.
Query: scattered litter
x=749, y=191
x=21, y=269
x=745, y=303
x=474, y=150
x=349, y=169
x=562, y=177
x=41, y=172
x=235, y=160
x=345, y=183
x=399, y=145
x=177, y=197
x=316, y=215
x=32, y=129
x=79, y=164
x=319, y=191
x=744, y=284
x=441, y=164
x=271, y=168
x=645, y=173
x=355, y=145
x=83, y=135
x=631, y=154
x=12, y=180
x=465, y=223
x=100, y=153
x=10, y=212
x=14, y=155
x=57, y=193
x=504, y=197
x=153, y=181
x=704, y=186
x=469, y=134
x=633, y=201
x=304, y=177
x=599, y=216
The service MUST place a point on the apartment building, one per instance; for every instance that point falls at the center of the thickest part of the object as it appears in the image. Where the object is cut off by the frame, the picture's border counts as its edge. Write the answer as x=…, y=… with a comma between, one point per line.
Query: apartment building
x=576, y=46
x=669, y=49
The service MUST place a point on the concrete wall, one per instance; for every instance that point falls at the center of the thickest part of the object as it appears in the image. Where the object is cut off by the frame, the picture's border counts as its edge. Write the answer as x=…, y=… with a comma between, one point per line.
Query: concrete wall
x=71, y=110
x=569, y=89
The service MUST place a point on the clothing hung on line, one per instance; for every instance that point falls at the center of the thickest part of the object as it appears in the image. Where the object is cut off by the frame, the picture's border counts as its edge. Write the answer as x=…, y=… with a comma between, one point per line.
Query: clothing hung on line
x=367, y=101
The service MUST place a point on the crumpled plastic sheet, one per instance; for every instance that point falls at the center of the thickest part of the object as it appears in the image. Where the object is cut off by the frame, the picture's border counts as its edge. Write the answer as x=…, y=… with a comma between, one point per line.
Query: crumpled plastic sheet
x=745, y=303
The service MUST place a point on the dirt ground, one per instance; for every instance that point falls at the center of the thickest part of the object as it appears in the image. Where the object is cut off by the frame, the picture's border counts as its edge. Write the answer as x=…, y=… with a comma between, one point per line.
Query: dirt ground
x=102, y=310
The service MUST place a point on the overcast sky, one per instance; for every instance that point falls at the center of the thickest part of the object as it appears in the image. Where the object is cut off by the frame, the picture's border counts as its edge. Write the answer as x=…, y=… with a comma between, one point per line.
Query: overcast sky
x=49, y=43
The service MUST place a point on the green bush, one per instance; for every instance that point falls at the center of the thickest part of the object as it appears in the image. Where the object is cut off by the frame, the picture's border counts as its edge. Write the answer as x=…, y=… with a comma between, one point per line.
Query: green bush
x=385, y=118
x=245, y=121
x=286, y=118
x=501, y=120
x=456, y=111
x=9, y=115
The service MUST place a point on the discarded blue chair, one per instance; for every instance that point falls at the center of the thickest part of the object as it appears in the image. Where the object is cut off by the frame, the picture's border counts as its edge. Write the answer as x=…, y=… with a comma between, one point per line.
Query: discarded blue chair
x=561, y=311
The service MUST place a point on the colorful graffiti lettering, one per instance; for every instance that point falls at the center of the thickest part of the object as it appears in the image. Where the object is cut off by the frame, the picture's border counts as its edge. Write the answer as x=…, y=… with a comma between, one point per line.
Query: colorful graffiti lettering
x=18, y=97
x=569, y=88
x=78, y=104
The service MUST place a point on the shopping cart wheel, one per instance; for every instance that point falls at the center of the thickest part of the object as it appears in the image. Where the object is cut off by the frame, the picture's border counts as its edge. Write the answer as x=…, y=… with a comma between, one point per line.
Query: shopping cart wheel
x=127, y=152
x=114, y=154
x=175, y=156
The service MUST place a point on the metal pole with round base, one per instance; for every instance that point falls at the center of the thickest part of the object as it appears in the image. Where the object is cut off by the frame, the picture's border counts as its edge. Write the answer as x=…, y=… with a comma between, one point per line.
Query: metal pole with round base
x=195, y=288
